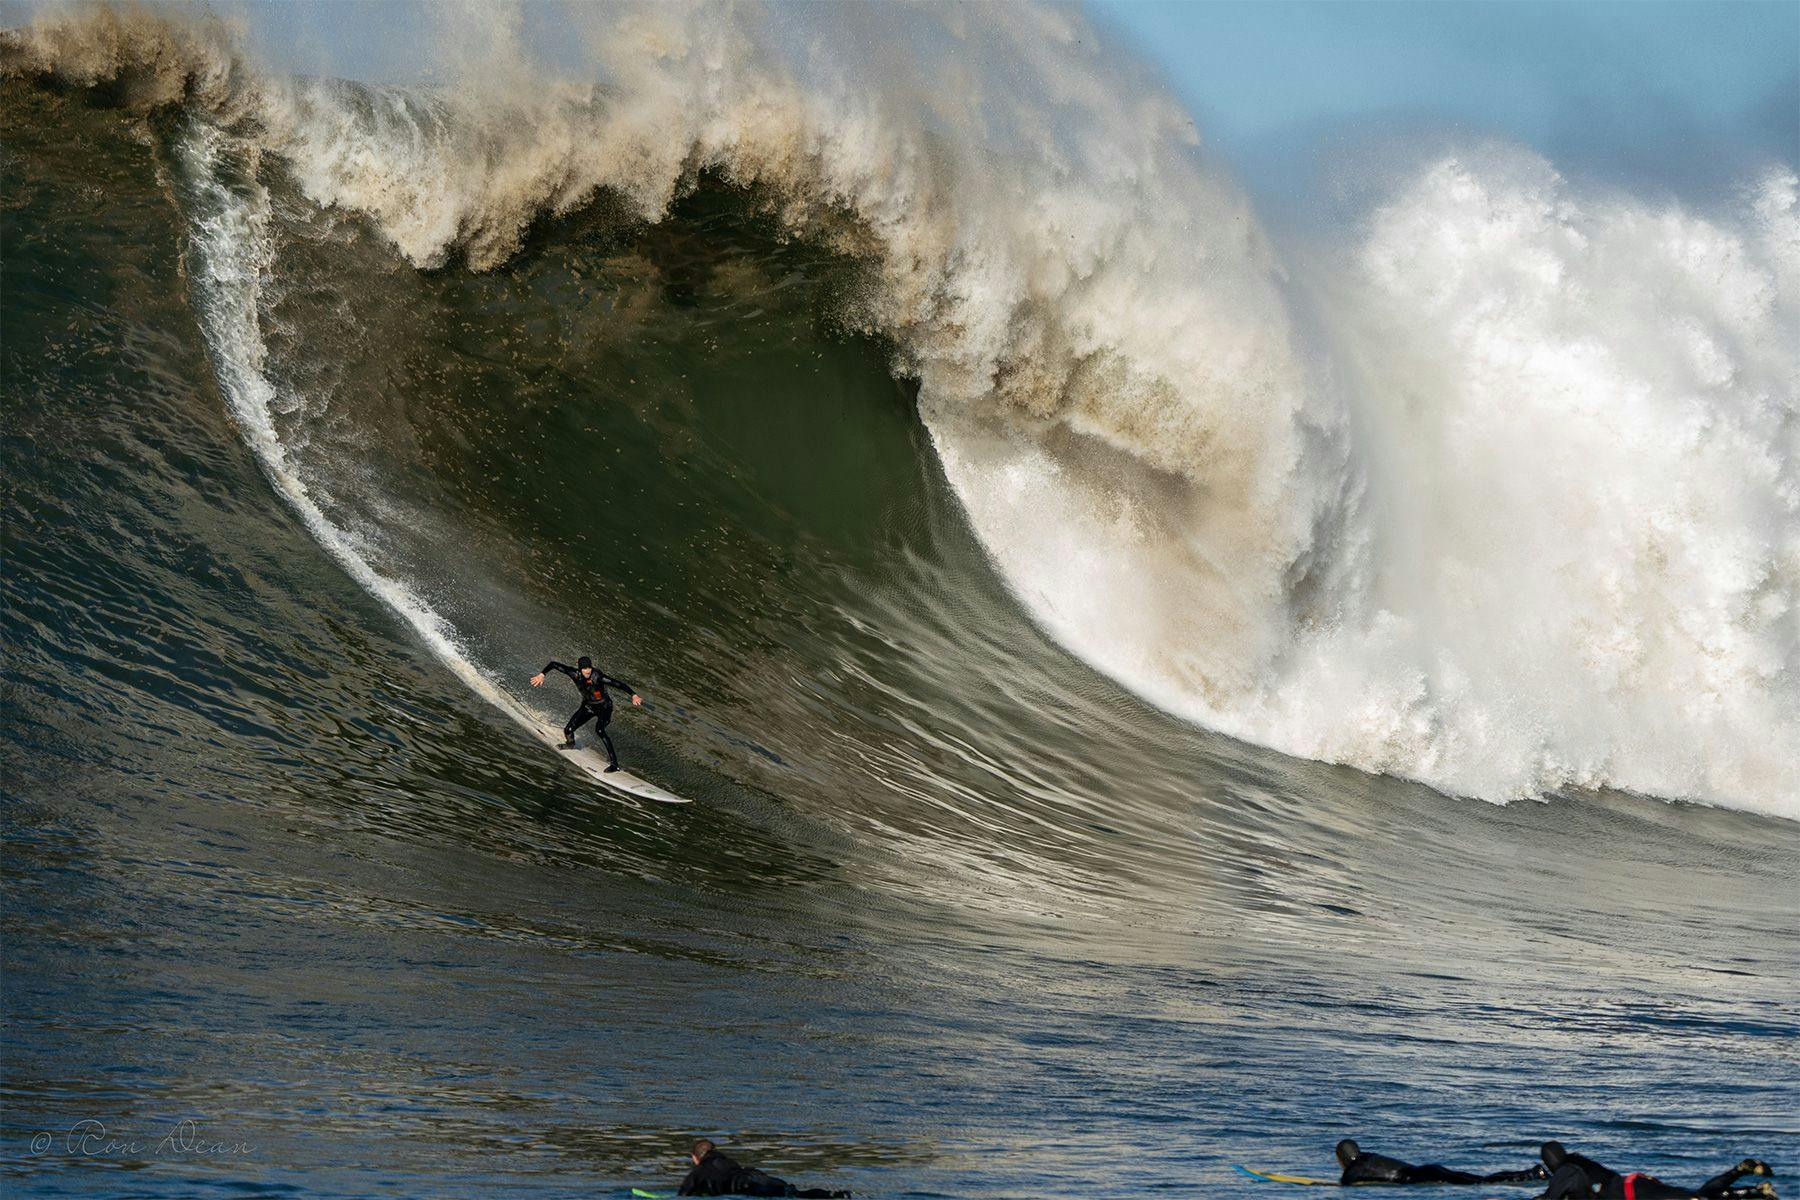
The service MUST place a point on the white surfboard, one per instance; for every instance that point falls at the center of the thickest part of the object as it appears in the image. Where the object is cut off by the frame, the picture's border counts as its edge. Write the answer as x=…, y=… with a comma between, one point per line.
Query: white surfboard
x=586, y=757
x=594, y=763
x=625, y=781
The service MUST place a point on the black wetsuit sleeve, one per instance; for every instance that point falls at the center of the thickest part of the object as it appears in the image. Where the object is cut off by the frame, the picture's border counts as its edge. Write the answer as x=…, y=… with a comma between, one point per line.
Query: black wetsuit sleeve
x=619, y=683
x=1718, y=1183
x=1374, y=1168
x=559, y=668
x=1528, y=1175
x=1597, y=1173
x=711, y=1176
x=1567, y=1182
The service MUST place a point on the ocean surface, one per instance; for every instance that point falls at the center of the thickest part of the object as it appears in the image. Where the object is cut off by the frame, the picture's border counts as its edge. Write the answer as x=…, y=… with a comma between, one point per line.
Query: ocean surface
x=1155, y=694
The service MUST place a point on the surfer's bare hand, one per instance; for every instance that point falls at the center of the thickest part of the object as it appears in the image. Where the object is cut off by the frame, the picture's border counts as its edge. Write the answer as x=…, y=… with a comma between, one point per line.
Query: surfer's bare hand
x=636, y=699
x=537, y=680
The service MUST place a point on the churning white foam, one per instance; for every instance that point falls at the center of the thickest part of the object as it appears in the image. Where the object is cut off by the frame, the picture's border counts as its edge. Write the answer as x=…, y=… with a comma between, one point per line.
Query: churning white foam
x=1574, y=555
x=1582, y=424
x=1523, y=515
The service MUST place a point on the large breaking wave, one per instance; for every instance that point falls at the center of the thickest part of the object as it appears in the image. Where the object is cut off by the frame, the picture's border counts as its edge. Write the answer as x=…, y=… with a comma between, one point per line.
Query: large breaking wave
x=1501, y=491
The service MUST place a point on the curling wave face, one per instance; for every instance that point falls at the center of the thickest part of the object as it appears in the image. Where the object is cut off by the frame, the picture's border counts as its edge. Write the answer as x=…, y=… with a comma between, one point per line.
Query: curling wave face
x=1502, y=493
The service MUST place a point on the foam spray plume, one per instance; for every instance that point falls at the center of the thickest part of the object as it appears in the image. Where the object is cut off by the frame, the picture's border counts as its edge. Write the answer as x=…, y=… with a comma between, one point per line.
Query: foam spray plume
x=1504, y=496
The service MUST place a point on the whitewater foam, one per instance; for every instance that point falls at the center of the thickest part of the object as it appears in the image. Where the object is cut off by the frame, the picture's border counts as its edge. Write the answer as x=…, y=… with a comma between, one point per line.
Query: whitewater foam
x=1525, y=516
x=1583, y=411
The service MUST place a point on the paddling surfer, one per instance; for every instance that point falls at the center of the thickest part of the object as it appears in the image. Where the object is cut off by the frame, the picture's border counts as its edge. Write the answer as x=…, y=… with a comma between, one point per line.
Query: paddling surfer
x=716, y=1173
x=1575, y=1177
x=596, y=702
x=1362, y=1167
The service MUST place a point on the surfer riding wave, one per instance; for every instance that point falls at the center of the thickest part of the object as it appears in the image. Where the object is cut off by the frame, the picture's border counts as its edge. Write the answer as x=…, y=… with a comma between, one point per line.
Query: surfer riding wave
x=596, y=702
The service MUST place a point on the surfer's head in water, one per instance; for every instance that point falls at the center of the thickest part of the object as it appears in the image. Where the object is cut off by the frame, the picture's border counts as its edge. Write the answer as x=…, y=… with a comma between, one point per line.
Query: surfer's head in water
x=701, y=1148
x=1347, y=1152
x=586, y=665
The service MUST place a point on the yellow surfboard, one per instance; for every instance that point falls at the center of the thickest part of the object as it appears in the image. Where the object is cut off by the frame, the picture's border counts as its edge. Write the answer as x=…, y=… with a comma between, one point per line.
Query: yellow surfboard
x=1274, y=1178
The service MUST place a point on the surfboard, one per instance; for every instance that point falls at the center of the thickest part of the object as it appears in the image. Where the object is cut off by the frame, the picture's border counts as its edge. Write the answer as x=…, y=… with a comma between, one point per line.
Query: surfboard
x=631, y=785
x=1271, y=1177
x=585, y=757
x=643, y=1195
x=593, y=763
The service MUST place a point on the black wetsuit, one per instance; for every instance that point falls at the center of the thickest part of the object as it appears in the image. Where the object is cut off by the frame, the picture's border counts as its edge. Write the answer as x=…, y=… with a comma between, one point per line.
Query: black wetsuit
x=1580, y=1178
x=718, y=1174
x=1378, y=1168
x=596, y=704
x=1720, y=1185
x=1577, y=1178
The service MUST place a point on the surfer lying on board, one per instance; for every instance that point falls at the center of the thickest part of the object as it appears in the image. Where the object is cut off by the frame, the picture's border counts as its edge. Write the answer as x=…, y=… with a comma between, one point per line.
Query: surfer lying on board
x=1574, y=1177
x=596, y=704
x=716, y=1173
x=1378, y=1168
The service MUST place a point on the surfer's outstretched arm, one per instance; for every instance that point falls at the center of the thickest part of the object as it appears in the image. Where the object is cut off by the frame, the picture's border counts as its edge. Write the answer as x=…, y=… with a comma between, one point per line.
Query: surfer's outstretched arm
x=635, y=698
x=1720, y=1184
x=561, y=669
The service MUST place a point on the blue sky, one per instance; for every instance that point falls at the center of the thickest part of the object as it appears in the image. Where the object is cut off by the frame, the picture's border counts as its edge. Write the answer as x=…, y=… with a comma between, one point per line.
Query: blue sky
x=1685, y=96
